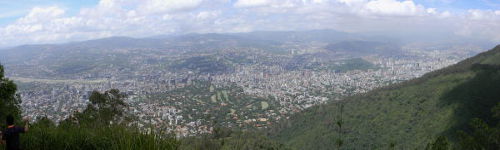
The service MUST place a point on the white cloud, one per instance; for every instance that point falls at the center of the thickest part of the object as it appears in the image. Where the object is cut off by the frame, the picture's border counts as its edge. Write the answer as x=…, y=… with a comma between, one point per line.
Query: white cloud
x=207, y=15
x=445, y=14
x=140, y=18
x=352, y=2
x=477, y=14
x=251, y=3
x=34, y=22
x=393, y=7
x=107, y=18
x=480, y=23
x=39, y=14
x=386, y=8
x=161, y=6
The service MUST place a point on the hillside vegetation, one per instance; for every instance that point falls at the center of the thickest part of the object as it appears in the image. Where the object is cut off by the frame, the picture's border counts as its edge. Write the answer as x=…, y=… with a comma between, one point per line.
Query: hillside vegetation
x=409, y=115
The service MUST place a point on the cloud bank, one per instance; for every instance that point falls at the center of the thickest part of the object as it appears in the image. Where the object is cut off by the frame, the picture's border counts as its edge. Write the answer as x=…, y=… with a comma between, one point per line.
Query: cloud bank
x=142, y=18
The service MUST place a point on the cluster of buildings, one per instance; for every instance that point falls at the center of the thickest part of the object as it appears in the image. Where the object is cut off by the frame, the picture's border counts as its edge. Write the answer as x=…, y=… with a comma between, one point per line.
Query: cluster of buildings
x=187, y=113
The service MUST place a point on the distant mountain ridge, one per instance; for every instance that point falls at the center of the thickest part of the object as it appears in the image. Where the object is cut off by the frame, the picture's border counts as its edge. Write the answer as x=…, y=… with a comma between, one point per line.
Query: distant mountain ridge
x=260, y=39
x=87, y=57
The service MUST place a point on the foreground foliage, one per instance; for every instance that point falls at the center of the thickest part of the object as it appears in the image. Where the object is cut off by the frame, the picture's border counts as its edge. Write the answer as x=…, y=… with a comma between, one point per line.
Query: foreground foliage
x=9, y=100
x=102, y=125
x=114, y=137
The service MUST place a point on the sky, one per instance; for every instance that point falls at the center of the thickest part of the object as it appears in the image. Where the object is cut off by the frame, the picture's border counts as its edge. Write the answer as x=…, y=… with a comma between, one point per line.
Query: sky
x=57, y=21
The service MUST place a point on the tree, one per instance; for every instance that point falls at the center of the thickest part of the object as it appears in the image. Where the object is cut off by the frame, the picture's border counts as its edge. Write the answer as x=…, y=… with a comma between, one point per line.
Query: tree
x=9, y=100
x=441, y=143
x=339, y=142
x=482, y=135
x=104, y=109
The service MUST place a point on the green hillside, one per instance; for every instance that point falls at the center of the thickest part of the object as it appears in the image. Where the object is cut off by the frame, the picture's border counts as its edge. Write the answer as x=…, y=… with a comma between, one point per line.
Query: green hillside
x=408, y=115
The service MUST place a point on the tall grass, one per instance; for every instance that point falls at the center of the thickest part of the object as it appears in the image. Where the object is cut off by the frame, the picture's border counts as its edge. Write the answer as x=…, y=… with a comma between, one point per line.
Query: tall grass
x=84, y=138
x=117, y=137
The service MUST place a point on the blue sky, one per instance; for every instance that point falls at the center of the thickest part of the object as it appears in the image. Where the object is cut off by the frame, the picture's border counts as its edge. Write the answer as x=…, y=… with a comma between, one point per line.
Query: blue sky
x=461, y=4
x=53, y=21
x=12, y=10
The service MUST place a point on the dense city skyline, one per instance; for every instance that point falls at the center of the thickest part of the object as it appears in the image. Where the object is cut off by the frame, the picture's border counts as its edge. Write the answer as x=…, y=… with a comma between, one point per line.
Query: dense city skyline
x=186, y=82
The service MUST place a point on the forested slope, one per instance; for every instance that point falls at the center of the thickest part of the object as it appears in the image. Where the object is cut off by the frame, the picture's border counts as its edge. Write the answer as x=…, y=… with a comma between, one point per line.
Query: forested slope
x=409, y=115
